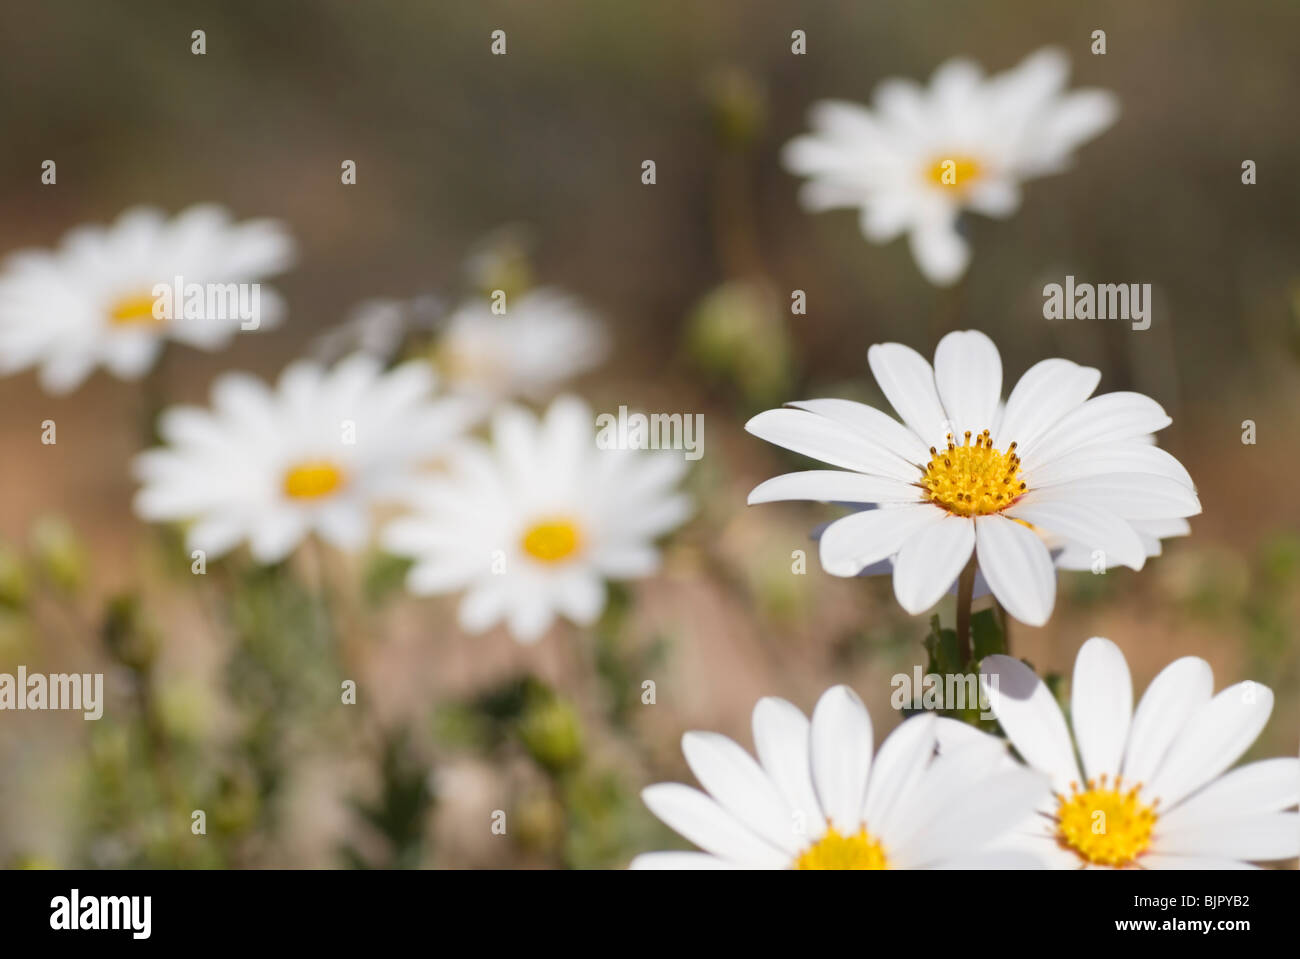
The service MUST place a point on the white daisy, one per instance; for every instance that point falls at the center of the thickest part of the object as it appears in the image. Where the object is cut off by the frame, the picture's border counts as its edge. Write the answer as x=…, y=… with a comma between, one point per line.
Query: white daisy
x=962, y=473
x=533, y=526
x=91, y=302
x=817, y=799
x=921, y=157
x=544, y=338
x=313, y=455
x=1152, y=793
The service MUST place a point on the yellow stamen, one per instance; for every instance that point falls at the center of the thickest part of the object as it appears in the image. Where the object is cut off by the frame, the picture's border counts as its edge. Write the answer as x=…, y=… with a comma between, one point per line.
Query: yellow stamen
x=834, y=851
x=552, y=540
x=312, y=479
x=973, y=479
x=135, y=310
x=1105, y=824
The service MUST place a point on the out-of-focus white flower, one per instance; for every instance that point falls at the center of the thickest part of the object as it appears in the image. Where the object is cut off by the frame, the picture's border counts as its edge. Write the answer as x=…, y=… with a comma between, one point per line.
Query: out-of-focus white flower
x=534, y=525
x=1153, y=793
x=817, y=798
x=964, y=473
x=92, y=301
x=921, y=156
x=313, y=455
x=544, y=338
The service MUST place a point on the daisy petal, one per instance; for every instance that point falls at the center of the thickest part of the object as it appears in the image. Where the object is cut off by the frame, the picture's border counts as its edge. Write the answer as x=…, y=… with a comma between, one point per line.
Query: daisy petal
x=906, y=379
x=1101, y=706
x=1177, y=692
x=732, y=777
x=1048, y=391
x=968, y=375
x=860, y=539
x=699, y=819
x=1030, y=717
x=930, y=560
x=781, y=733
x=833, y=486
x=1017, y=567
x=1212, y=740
x=841, y=748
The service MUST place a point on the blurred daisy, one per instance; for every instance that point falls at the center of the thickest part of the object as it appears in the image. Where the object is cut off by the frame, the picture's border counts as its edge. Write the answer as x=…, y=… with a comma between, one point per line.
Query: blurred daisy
x=91, y=302
x=1052, y=469
x=313, y=455
x=817, y=799
x=1152, y=793
x=921, y=157
x=533, y=526
x=544, y=338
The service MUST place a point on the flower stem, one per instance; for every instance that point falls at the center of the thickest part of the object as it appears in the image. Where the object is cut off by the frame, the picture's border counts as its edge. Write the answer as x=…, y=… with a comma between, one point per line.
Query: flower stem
x=965, y=595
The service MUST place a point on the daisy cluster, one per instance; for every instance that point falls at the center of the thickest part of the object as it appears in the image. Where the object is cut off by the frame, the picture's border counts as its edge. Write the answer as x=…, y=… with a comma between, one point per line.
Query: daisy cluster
x=435, y=455
x=528, y=523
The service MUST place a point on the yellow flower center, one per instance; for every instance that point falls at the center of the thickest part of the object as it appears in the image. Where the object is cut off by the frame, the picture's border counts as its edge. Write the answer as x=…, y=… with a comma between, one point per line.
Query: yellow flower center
x=134, y=310
x=1105, y=824
x=973, y=479
x=552, y=540
x=312, y=479
x=835, y=851
x=954, y=172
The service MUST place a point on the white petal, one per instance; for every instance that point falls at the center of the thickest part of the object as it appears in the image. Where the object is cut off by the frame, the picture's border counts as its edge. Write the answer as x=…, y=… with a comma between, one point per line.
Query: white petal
x=1133, y=496
x=973, y=819
x=1158, y=861
x=699, y=819
x=1129, y=457
x=1101, y=705
x=781, y=734
x=1048, y=391
x=1261, y=837
x=860, y=539
x=907, y=381
x=968, y=375
x=833, y=486
x=897, y=768
x=1017, y=567
x=735, y=780
x=678, y=860
x=879, y=427
x=1110, y=418
x=810, y=434
x=1212, y=740
x=939, y=250
x=1269, y=785
x=930, y=559
x=1031, y=718
x=841, y=749
x=1178, y=691
x=1087, y=525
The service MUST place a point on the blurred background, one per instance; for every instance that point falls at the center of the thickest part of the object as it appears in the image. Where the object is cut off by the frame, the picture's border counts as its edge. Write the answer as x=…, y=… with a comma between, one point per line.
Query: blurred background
x=223, y=694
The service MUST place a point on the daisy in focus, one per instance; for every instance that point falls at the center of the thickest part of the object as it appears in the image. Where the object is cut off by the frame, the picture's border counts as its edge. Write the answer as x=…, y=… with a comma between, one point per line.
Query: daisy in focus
x=1152, y=792
x=313, y=455
x=920, y=157
x=964, y=474
x=544, y=338
x=532, y=526
x=816, y=798
x=92, y=301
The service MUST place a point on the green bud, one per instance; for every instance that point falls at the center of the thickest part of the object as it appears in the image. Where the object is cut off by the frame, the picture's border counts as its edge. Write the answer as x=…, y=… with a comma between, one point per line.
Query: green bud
x=552, y=733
